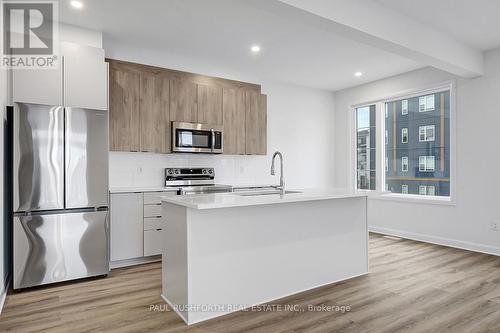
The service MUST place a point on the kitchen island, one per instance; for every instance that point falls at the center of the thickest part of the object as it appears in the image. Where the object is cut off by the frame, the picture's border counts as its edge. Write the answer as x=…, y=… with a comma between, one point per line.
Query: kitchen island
x=226, y=252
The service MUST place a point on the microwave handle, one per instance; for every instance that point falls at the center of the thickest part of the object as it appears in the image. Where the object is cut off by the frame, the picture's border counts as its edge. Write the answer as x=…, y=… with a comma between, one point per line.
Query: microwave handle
x=213, y=139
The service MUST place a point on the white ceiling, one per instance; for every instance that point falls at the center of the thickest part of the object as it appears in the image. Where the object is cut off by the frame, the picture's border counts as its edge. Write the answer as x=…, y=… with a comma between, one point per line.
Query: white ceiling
x=222, y=31
x=473, y=22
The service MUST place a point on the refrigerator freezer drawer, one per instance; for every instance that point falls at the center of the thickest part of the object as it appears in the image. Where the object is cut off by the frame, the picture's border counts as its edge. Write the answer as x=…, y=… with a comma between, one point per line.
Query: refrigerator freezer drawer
x=60, y=247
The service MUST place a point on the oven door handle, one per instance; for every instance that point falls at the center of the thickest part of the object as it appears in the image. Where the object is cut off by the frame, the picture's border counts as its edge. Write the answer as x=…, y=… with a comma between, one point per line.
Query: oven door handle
x=213, y=139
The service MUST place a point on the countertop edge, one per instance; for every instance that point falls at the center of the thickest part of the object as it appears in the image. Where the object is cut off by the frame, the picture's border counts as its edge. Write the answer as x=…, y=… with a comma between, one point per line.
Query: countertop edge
x=304, y=198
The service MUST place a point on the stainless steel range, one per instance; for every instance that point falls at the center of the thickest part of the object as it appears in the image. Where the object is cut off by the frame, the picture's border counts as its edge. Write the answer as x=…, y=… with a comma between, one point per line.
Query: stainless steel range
x=194, y=181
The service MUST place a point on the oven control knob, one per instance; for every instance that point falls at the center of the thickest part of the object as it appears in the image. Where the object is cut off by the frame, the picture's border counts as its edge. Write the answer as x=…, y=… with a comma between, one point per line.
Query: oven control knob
x=177, y=172
x=210, y=171
x=204, y=171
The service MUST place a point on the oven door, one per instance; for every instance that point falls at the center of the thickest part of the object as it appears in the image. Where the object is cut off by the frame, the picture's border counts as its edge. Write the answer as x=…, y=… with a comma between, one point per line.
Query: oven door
x=196, y=138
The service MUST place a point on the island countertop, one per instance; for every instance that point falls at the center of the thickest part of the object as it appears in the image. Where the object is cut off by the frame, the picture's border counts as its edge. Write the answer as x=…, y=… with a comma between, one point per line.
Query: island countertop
x=225, y=200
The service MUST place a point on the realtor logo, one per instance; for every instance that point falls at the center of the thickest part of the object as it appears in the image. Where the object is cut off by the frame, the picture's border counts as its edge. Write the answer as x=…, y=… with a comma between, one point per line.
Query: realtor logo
x=29, y=34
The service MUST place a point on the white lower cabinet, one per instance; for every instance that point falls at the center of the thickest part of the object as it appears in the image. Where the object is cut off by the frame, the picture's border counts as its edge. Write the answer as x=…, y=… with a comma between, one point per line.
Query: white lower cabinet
x=127, y=239
x=153, y=242
x=137, y=225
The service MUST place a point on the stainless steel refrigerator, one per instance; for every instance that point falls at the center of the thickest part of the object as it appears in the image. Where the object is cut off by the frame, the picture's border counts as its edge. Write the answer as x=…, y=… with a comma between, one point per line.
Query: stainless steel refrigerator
x=60, y=189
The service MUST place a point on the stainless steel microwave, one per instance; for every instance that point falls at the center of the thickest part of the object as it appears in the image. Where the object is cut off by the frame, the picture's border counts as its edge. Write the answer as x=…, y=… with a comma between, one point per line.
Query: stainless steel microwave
x=196, y=138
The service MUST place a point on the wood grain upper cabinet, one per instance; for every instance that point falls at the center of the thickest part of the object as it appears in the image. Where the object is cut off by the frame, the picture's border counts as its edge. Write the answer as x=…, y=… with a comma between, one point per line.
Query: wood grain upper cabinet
x=183, y=101
x=124, y=86
x=209, y=105
x=255, y=123
x=233, y=106
x=154, y=113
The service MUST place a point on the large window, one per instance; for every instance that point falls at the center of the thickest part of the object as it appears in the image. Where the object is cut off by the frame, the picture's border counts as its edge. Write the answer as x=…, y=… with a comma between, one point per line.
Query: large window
x=416, y=151
x=365, y=147
x=424, y=161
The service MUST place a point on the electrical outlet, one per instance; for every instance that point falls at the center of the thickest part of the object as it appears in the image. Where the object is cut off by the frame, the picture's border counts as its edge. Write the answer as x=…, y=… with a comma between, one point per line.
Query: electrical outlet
x=495, y=225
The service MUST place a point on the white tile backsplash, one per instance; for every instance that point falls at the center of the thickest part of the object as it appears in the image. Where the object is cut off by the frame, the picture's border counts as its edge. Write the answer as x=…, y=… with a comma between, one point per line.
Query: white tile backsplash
x=146, y=169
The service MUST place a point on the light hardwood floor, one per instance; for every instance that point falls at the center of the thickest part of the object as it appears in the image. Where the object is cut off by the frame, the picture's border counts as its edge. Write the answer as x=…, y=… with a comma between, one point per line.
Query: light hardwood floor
x=412, y=287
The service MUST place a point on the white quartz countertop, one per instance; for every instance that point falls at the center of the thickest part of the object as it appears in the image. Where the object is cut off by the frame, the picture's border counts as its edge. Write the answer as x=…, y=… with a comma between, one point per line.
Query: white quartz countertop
x=225, y=200
x=132, y=189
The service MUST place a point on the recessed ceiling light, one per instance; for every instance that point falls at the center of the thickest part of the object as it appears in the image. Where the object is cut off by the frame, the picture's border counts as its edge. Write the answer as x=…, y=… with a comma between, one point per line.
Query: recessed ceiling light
x=358, y=74
x=255, y=48
x=77, y=4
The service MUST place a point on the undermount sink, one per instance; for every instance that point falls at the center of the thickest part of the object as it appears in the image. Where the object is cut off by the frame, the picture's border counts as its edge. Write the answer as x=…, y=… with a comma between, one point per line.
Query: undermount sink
x=275, y=192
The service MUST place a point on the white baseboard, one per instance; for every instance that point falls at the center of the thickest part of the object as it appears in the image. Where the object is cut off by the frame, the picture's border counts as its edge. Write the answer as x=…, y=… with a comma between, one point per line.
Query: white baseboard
x=463, y=245
x=3, y=292
x=133, y=262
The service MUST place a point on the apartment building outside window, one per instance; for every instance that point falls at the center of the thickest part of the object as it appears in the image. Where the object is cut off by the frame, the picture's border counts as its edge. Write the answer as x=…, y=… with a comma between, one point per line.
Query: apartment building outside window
x=426, y=103
x=404, y=107
x=426, y=133
x=404, y=135
x=404, y=163
x=420, y=157
x=427, y=190
x=365, y=147
x=426, y=163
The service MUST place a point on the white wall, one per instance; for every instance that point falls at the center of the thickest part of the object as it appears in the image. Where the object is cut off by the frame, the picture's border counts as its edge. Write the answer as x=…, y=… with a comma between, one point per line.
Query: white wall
x=467, y=223
x=300, y=125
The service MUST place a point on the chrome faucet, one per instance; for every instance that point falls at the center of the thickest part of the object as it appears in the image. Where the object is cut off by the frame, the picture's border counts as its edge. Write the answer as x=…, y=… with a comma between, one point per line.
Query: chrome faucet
x=281, y=186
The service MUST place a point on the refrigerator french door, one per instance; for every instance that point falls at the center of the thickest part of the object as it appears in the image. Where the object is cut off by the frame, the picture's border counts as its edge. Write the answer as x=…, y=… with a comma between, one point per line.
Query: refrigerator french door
x=60, y=180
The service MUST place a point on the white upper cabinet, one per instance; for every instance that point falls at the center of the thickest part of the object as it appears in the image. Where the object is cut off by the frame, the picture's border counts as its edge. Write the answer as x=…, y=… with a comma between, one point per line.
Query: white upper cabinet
x=85, y=78
x=38, y=86
x=81, y=80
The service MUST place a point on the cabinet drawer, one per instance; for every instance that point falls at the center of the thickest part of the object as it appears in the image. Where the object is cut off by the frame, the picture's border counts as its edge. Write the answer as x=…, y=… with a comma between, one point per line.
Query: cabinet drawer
x=153, y=223
x=152, y=210
x=153, y=242
x=153, y=198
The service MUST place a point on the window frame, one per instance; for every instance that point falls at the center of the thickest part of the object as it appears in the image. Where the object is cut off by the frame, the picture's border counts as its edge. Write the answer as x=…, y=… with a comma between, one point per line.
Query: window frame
x=404, y=186
x=427, y=190
x=425, y=128
x=426, y=108
x=426, y=158
x=380, y=146
x=405, y=158
x=403, y=130
x=404, y=110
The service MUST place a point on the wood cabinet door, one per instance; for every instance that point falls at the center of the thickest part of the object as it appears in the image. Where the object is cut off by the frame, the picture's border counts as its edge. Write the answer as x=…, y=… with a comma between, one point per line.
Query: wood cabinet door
x=154, y=113
x=183, y=101
x=209, y=105
x=124, y=110
x=255, y=123
x=127, y=234
x=233, y=106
